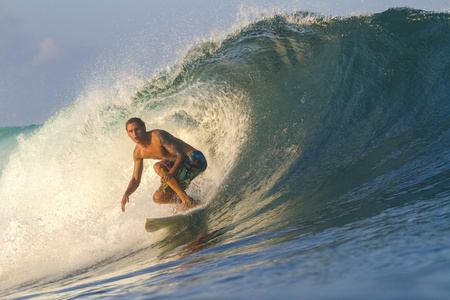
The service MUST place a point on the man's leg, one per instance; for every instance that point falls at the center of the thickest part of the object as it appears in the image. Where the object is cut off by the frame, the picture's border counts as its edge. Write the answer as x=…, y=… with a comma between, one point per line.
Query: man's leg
x=186, y=202
x=167, y=197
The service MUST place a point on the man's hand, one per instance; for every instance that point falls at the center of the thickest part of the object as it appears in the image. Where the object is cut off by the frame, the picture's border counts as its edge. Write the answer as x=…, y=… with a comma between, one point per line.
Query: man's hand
x=125, y=200
x=166, y=177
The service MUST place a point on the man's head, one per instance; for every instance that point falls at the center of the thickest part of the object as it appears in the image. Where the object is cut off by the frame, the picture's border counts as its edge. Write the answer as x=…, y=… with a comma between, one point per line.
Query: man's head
x=135, y=120
x=136, y=129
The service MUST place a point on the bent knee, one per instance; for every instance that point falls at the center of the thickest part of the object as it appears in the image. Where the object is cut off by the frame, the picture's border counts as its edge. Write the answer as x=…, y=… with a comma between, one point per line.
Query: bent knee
x=158, y=197
x=157, y=167
x=160, y=168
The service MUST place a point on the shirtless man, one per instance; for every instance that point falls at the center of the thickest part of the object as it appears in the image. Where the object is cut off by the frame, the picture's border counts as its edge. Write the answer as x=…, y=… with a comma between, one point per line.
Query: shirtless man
x=179, y=164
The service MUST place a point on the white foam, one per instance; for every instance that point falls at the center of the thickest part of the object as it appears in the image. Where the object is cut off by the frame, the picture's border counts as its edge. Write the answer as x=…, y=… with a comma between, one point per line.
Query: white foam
x=60, y=193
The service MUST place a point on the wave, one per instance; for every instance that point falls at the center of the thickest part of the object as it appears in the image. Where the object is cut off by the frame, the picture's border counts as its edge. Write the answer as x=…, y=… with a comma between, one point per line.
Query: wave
x=307, y=123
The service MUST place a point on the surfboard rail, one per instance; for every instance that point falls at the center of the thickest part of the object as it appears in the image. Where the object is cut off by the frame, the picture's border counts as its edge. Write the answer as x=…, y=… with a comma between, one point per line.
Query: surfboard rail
x=155, y=224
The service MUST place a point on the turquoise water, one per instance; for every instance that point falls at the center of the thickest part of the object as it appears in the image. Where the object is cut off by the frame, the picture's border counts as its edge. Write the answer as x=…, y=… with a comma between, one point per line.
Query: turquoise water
x=328, y=176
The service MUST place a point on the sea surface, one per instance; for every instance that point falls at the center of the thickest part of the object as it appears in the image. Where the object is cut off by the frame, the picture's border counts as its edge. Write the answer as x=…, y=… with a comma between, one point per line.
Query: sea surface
x=328, y=145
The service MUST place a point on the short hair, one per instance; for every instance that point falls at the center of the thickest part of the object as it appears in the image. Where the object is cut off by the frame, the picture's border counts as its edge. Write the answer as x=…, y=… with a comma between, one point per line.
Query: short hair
x=135, y=120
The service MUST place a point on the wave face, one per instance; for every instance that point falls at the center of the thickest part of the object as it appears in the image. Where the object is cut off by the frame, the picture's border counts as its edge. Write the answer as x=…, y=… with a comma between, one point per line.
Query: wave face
x=324, y=137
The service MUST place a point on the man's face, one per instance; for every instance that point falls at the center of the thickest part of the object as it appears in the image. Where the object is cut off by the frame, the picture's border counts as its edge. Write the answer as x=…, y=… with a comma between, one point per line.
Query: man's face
x=135, y=132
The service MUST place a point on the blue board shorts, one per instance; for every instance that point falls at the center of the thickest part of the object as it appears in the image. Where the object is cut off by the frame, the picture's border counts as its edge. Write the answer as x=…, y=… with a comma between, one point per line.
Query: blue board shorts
x=193, y=166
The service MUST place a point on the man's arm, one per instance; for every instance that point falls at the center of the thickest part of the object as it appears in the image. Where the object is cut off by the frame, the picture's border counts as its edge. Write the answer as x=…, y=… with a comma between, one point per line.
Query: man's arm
x=166, y=140
x=134, y=182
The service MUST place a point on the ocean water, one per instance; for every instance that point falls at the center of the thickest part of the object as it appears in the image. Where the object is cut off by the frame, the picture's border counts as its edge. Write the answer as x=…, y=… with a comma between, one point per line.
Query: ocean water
x=328, y=145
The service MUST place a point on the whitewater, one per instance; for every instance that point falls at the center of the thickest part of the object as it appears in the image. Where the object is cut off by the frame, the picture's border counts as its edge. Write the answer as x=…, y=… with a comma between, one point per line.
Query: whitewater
x=328, y=147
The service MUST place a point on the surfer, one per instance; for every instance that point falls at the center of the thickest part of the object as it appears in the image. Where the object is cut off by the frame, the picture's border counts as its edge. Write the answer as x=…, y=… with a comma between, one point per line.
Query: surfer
x=179, y=164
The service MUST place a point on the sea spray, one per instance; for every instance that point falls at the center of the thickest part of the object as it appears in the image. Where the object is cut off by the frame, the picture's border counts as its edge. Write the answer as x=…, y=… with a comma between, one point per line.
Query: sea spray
x=62, y=187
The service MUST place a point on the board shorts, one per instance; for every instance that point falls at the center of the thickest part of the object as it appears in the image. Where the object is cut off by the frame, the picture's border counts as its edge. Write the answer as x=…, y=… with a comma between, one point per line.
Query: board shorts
x=193, y=166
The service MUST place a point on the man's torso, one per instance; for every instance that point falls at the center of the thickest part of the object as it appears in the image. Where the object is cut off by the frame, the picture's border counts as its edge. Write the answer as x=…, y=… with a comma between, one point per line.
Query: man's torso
x=156, y=151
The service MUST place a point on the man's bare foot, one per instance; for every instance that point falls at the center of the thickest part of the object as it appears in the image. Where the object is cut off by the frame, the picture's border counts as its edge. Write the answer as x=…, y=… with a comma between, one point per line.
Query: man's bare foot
x=174, y=198
x=187, y=206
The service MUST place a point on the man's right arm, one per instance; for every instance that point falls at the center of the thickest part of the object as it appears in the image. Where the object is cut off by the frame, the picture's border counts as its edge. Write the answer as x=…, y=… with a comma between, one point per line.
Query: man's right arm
x=134, y=182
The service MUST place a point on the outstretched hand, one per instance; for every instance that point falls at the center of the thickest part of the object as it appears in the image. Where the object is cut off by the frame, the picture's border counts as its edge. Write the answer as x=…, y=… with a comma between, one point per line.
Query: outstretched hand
x=125, y=200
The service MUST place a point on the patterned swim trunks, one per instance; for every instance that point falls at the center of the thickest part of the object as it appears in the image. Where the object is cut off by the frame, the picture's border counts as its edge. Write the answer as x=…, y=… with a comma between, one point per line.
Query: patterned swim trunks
x=193, y=166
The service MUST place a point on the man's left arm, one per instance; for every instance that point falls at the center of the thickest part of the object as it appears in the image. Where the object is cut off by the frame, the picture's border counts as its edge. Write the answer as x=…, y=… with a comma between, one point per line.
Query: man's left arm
x=166, y=140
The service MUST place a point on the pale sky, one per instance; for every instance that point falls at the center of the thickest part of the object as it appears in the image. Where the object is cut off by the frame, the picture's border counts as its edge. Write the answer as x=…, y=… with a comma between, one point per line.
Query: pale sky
x=48, y=48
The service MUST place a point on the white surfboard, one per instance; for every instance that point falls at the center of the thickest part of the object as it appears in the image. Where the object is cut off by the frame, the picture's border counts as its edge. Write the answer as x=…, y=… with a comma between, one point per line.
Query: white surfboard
x=154, y=224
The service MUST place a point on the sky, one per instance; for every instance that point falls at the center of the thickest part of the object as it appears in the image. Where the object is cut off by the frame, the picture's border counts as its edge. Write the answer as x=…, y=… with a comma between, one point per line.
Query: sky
x=49, y=49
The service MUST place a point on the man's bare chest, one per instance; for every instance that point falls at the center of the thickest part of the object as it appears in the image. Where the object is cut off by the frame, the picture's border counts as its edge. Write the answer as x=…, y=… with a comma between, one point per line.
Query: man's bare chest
x=154, y=153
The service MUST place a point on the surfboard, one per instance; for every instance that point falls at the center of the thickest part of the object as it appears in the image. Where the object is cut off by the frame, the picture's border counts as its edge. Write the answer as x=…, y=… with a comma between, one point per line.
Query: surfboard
x=155, y=224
